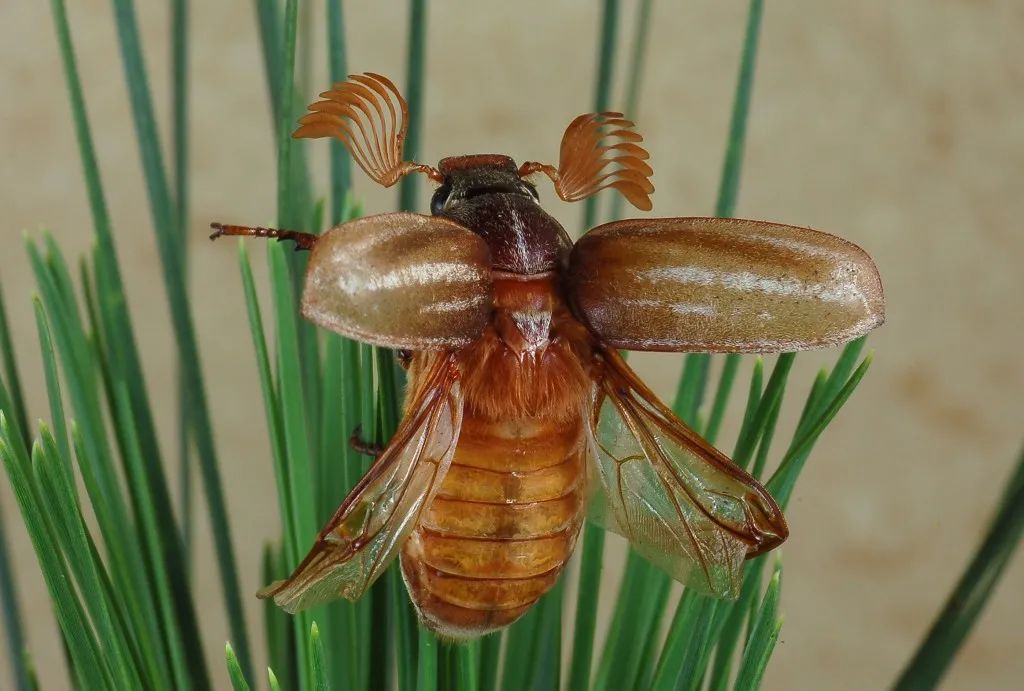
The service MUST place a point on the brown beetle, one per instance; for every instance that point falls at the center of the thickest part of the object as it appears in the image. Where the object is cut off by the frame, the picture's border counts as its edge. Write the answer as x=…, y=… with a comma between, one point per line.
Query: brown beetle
x=516, y=392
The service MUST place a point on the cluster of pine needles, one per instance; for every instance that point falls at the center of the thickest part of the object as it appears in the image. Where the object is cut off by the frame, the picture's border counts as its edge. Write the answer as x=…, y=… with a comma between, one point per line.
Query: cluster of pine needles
x=120, y=585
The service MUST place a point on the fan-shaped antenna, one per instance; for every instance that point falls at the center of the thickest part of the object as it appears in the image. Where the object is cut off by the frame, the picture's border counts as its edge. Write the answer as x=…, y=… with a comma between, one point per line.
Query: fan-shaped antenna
x=599, y=150
x=362, y=113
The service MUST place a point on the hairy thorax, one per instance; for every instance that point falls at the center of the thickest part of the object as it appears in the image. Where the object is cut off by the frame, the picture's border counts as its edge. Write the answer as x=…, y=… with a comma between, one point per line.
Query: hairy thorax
x=531, y=360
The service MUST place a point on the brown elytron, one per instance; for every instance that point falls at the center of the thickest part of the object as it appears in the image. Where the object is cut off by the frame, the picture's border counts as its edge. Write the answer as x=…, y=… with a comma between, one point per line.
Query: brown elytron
x=520, y=416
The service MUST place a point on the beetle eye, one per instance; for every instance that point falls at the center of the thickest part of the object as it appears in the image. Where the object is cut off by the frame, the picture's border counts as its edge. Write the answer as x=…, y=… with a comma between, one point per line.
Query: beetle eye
x=439, y=198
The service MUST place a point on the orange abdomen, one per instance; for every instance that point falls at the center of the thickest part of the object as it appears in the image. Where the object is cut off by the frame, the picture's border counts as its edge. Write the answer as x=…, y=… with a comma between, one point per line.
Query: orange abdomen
x=505, y=519
x=501, y=527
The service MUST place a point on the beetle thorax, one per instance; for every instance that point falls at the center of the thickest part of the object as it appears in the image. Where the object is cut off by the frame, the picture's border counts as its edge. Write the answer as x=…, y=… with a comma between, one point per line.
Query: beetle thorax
x=485, y=194
x=530, y=360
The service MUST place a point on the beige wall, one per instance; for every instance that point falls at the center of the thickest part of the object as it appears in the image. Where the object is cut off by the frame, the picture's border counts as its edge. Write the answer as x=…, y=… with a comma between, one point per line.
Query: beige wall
x=896, y=125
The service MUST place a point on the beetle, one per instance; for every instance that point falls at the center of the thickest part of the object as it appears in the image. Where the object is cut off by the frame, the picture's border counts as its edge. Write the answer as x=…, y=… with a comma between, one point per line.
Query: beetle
x=517, y=396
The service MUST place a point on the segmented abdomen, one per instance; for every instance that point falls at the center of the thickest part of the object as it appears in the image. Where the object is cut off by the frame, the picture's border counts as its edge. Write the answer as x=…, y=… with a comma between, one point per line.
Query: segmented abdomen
x=501, y=527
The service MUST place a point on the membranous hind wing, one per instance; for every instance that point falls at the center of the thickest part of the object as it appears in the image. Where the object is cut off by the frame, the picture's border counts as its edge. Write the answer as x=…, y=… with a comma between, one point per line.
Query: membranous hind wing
x=370, y=526
x=680, y=502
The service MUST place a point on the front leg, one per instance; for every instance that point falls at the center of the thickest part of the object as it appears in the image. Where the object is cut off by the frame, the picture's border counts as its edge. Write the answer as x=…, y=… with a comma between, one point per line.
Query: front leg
x=303, y=241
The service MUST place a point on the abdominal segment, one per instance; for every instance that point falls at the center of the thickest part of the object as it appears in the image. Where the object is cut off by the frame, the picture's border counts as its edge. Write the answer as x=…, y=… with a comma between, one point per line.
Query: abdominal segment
x=500, y=528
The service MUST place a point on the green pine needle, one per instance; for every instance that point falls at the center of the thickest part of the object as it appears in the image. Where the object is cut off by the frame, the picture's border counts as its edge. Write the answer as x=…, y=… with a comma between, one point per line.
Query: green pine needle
x=763, y=636
x=320, y=679
x=180, y=166
x=468, y=666
x=275, y=685
x=426, y=673
x=341, y=163
x=13, y=398
x=971, y=593
x=415, y=88
x=238, y=682
x=13, y=626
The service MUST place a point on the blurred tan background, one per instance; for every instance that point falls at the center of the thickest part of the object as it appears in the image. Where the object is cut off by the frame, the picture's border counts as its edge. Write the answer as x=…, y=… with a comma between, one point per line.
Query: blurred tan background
x=896, y=125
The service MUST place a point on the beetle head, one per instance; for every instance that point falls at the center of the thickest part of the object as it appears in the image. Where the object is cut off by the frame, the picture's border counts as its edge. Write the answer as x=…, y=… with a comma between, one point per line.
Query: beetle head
x=469, y=177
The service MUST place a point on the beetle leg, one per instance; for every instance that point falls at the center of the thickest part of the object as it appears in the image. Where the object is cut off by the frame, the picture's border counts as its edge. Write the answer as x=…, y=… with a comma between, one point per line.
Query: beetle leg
x=303, y=241
x=360, y=445
x=404, y=357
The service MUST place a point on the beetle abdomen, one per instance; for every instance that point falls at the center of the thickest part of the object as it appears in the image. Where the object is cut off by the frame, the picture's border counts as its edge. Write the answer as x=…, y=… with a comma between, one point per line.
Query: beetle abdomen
x=501, y=527
x=505, y=519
